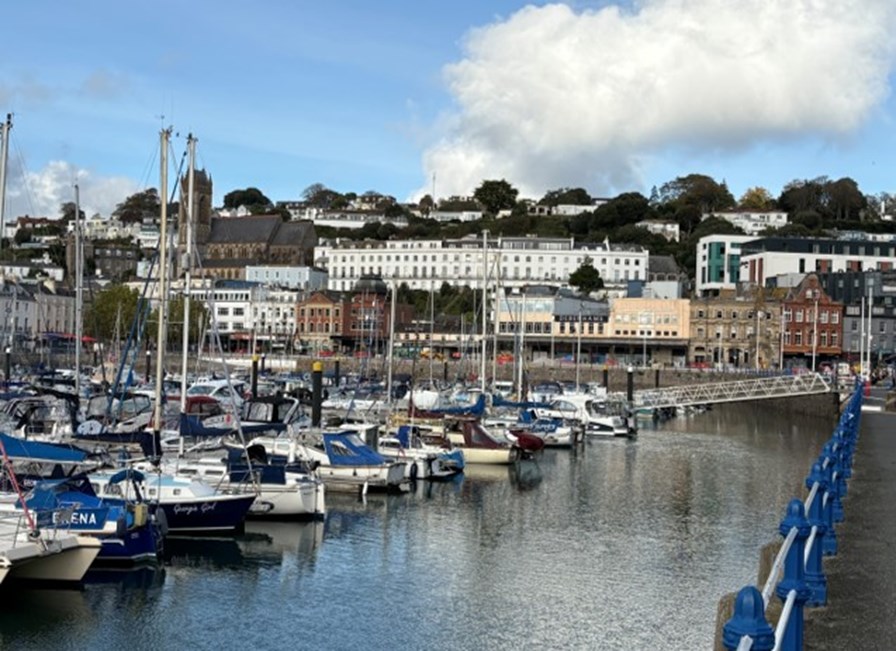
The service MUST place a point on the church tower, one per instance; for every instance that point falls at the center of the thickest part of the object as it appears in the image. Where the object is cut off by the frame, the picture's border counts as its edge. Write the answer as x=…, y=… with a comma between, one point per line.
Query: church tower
x=202, y=211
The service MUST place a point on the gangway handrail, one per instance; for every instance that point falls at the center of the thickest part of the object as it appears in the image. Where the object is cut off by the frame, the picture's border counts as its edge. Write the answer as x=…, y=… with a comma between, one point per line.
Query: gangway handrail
x=809, y=533
x=775, y=386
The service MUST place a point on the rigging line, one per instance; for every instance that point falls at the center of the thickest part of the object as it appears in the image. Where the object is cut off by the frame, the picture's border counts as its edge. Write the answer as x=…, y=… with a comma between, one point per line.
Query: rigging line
x=22, y=167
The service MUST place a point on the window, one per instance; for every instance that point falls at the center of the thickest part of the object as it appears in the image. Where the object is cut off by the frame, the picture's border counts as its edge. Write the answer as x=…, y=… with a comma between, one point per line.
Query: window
x=798, y=338
x=799, y=316
x=835, y=317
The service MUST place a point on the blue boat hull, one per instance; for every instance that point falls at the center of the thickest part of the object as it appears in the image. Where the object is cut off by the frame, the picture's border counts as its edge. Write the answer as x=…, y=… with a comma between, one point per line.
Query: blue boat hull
x=137, y=545
x=212, y=516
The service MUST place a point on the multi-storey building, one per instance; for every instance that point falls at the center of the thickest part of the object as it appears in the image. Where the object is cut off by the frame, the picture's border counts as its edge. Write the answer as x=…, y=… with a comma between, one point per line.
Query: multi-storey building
x=302, y=278
x=718, y=263
x=767, y=257
x=813, y=325
x=739, y=331
x=550, y=322
x=645, y=331
x=319, y=319
x=752, y=223
x=506, y=261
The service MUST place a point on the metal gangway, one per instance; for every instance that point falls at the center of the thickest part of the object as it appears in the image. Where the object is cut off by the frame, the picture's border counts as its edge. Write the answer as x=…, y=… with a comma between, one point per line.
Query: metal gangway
x=776, y=386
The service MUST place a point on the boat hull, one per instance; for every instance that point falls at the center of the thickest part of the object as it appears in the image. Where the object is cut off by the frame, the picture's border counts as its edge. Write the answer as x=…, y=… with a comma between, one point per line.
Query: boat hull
x=213, y=514
x=300, y=500
x=67, y=560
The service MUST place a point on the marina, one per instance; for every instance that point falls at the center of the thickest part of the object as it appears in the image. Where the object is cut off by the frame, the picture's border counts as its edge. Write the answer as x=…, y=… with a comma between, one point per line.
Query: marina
x=615, y=544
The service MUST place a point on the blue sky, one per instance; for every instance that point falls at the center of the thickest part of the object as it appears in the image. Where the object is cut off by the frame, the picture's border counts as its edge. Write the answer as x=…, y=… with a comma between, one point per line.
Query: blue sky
x=382, y=96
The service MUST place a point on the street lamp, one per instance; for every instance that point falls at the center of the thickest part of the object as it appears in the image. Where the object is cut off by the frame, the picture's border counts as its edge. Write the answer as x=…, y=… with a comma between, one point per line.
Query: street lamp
x=815, y=331
x=578, y=345
x=759, y=315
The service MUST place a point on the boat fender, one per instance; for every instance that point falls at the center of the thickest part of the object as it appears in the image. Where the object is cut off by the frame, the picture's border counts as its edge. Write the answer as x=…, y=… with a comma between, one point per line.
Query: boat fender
x=161, y=520
x=121, y=527
x=34, y=534
x=413, y=471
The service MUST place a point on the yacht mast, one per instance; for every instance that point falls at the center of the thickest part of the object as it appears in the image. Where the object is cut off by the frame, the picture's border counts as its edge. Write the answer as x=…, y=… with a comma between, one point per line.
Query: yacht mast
x=79, y=292
x=187, y=263
x=164, y=137
x=4, y=156
x=484, y=310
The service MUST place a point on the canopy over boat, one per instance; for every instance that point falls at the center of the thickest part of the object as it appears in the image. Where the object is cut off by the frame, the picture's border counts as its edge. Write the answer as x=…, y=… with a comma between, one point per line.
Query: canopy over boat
x=347, y=449
x=17, y=448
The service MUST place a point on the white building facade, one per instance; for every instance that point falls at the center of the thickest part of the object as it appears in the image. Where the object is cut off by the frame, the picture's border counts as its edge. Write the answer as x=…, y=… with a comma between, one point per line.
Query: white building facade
x=752, y=223
x=508, y=261
x=302, y=278
x=718, y=263
x=767, y=257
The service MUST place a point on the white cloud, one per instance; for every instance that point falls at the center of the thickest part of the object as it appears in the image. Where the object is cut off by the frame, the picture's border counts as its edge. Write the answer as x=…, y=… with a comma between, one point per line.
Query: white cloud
x=41, y=193
x=553, y=97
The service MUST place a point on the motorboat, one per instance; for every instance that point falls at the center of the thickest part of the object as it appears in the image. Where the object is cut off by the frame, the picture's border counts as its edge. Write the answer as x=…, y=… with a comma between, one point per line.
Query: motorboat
x=424, y=461
x=343, y=460
x=479, y=445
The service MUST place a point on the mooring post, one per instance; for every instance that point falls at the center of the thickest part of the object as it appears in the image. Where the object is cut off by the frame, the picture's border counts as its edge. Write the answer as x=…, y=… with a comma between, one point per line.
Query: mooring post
x=630, y=391
x=254, y=378
x=748, y=619
x=794, y=577
x=656, y=378
x=606, y=377
x=317, y=384
x=814, y=573
x=7, y=376
x=148, y=364
x=336, y=373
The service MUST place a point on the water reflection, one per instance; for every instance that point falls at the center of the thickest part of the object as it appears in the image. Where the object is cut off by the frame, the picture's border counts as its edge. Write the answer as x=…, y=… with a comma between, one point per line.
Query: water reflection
x=616, y=545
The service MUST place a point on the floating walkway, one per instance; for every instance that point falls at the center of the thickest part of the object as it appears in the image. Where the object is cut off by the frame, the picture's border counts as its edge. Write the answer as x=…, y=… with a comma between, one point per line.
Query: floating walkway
x=776, y=386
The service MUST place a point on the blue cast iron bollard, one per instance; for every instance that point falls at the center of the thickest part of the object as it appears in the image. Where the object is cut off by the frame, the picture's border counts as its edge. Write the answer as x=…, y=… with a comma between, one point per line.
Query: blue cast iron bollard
x=814, y=574
x=748, y=619
x=792, y=639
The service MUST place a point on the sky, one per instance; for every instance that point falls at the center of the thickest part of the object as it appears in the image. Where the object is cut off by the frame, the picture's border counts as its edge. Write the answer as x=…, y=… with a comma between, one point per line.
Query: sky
x=408, y=97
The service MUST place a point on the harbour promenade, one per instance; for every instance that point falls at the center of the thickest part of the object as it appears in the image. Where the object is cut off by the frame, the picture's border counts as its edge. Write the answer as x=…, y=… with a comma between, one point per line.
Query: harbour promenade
x=861, y=577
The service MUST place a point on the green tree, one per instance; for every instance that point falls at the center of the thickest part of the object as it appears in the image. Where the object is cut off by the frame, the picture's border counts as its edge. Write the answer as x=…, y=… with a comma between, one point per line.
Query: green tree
x=699, y=191
x=586, y=278
x=757, y=199
x=496, y=196
x=317, y=195
x=567, y=197
x=252, y=198
x=67, y=212
x=139, y=206
x=845, y=200
x=426, y=205
x=114, y=304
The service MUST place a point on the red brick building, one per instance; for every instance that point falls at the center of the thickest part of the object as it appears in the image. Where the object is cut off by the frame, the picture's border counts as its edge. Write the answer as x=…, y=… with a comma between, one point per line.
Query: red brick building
x=813, y=325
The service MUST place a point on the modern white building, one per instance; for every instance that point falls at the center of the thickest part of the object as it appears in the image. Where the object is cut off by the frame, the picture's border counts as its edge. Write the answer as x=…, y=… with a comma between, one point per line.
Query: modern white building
x=767, y=257
x=506, y=261
x=752, y=223
x=303, y=278
x=718, y=263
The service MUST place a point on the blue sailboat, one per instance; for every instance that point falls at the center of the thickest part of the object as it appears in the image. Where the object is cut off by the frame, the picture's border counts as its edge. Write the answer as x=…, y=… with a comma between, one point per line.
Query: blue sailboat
x=62, y=497
x=126, y=528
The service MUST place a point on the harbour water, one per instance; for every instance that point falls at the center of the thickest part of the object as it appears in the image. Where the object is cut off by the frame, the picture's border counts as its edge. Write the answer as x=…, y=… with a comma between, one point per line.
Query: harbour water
x=617, y=545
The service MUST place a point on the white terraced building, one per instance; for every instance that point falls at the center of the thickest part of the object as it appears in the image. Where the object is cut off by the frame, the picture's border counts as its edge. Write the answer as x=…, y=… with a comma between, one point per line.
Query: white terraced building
x=517, y=261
